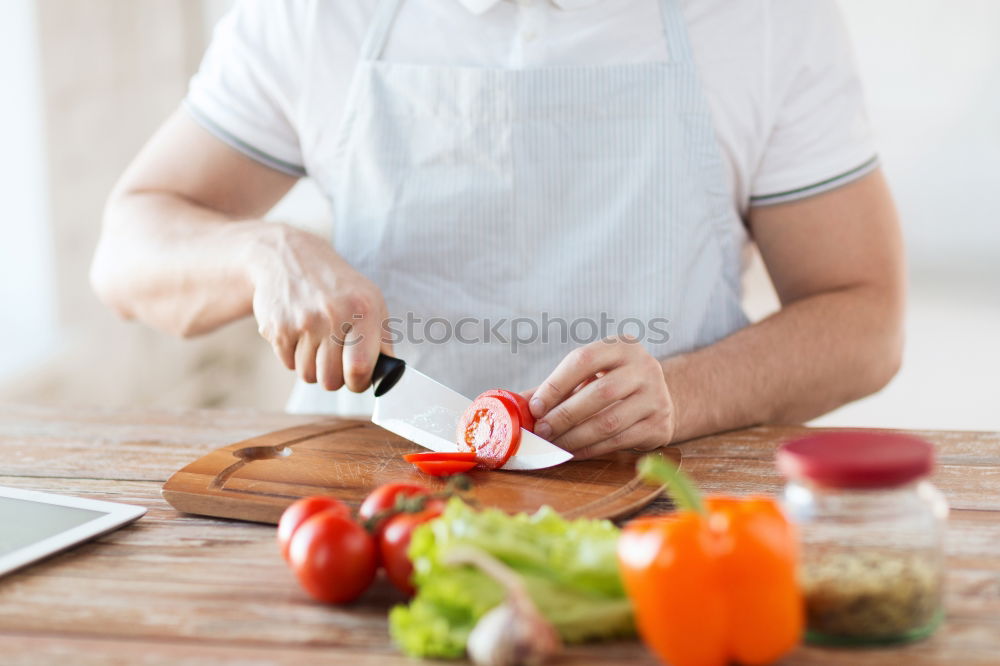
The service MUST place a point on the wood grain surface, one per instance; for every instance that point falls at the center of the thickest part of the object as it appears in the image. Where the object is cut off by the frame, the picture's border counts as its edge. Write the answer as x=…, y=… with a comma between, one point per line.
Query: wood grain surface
x=181, y=589
x=257, y=478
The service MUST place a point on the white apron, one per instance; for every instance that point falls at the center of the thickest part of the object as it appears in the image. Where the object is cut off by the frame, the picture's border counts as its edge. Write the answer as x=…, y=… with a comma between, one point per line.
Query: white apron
x=574, y=197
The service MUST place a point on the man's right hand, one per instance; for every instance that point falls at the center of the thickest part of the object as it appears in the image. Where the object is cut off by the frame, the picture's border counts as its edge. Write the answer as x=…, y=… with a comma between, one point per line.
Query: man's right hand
x=322, y=318
x=184, y=249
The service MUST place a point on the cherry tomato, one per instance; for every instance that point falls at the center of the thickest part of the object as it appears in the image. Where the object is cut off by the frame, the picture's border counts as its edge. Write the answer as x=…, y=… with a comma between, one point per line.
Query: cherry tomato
x=460, y=456
x=444, y=467
x=384, y=498
x=491, y=426
x=298, y=512
x=527, y=420
x=333, y=557
x=395, y=542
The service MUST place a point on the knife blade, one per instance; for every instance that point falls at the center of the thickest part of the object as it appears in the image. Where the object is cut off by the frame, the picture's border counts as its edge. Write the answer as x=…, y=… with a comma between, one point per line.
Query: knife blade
x=426, y=412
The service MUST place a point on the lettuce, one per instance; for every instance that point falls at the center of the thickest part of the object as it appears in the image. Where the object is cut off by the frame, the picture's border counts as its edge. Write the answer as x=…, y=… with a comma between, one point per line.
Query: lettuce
x=568, y=566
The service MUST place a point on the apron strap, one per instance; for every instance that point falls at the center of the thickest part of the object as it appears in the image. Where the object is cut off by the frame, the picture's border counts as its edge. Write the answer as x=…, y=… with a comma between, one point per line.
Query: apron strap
x=675, y=30
x=378, y=29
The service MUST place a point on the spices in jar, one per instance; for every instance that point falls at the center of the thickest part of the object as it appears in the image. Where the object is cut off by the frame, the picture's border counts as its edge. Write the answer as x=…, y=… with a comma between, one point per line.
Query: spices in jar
x=870, y=594
x=872, y=533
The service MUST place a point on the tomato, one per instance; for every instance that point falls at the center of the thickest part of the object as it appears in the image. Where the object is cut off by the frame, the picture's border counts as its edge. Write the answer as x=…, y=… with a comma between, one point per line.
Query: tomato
x=383, y=498
x=333, y=557
x=491, y=426
x=395, y=542
x=460, y=456
x=527, y=420
x=298, y=512
x=444, y=467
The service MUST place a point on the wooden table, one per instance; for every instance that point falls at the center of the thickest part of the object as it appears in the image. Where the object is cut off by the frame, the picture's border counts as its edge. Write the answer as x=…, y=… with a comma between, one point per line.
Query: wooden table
x=178, y=589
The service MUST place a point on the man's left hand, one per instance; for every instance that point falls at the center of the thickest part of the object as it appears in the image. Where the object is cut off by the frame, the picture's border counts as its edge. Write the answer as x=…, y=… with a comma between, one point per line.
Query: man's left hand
x=605, y=396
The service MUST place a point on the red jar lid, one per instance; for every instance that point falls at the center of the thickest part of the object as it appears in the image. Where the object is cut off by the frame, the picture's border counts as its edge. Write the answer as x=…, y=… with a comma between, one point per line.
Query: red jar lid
x=856, y=459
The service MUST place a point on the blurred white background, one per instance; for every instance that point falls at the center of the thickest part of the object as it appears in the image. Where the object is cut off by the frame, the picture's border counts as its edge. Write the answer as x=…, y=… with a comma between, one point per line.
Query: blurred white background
x=88, y=82
x=932, y=77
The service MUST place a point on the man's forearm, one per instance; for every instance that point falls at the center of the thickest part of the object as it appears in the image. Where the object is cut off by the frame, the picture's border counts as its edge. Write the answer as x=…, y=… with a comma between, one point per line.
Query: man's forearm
x=173, y=264
x=182, y=228
x=810, y=357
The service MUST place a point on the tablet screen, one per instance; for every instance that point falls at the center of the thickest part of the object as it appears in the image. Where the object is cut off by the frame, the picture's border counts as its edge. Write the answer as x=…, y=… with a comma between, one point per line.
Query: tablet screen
x=23, y=522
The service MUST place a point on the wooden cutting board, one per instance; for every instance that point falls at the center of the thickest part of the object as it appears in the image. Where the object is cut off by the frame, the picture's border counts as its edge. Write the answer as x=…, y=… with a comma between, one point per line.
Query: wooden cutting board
x=257, y=478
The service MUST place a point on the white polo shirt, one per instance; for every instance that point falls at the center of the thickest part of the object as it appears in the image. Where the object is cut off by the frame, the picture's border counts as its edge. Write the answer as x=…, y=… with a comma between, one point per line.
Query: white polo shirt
x=779, y=75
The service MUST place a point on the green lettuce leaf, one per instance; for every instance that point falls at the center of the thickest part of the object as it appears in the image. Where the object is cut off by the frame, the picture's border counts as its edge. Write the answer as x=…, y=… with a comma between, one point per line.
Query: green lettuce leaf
x=568, y=566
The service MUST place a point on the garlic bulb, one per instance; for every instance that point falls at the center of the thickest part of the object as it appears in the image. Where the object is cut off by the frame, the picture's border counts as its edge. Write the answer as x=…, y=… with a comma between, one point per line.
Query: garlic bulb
x=513, y=633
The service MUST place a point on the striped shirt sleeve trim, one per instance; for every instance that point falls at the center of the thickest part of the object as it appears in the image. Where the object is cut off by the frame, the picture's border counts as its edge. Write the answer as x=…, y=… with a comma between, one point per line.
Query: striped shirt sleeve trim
x=242, y=146
x=866, y=167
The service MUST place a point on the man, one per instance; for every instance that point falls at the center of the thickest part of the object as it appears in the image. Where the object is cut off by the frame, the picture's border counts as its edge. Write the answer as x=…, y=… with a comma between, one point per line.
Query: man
x=544, y=160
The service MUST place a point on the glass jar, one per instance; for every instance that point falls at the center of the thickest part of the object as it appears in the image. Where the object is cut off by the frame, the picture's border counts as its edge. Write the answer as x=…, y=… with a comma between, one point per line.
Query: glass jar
x=872, y=535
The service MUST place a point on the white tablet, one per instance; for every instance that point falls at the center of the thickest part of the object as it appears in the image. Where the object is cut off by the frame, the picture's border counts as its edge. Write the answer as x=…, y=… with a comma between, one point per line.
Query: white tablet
x=34, y=525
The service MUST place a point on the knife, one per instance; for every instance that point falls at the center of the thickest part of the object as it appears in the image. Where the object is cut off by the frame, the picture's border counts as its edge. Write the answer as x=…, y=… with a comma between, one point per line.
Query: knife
x=426, y=412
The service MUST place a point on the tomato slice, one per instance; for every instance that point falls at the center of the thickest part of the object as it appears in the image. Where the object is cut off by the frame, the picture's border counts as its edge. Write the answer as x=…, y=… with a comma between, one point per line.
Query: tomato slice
x=527, y=420
x=460, y=456
x=444, y=467
x=491, y=426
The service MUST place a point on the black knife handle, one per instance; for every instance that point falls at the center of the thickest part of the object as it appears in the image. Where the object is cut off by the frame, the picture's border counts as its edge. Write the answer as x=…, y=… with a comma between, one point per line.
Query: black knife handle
x=388, y=370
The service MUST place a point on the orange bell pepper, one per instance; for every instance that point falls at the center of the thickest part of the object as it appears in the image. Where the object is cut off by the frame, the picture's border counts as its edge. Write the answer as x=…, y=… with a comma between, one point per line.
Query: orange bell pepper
x=714, y=582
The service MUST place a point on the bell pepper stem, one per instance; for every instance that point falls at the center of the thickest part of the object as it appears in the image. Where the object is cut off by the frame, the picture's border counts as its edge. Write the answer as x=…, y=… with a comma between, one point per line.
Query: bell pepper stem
x=655, y=468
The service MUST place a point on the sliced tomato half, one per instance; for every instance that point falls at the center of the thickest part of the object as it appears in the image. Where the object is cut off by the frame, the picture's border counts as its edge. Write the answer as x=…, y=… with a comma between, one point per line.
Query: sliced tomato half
x=491, y=426
x=461, y=456
x=527, y=420
x=444, y=467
